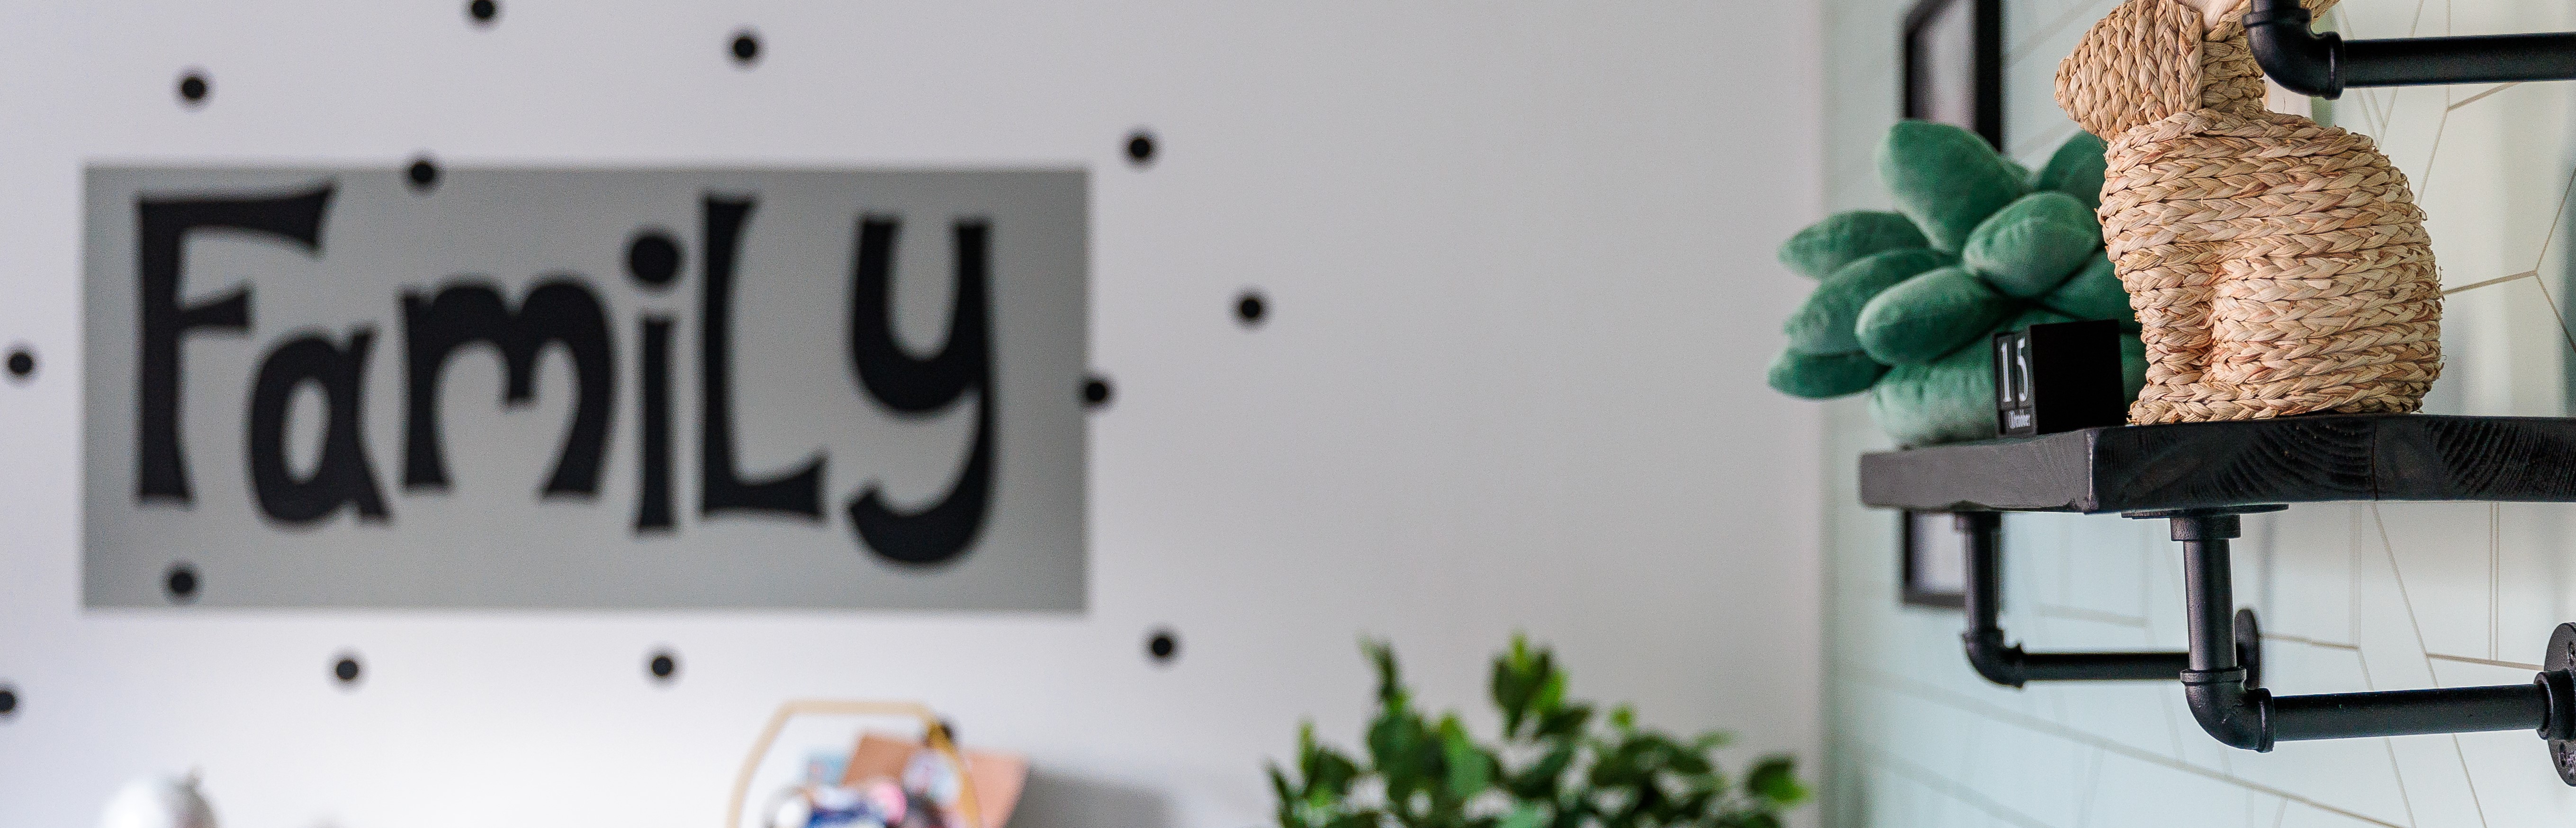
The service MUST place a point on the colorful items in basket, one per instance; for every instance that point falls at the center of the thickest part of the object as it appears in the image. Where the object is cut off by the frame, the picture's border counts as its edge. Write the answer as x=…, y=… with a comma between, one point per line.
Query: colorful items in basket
x=892, y=782
x=825, y=801
x=159, y=802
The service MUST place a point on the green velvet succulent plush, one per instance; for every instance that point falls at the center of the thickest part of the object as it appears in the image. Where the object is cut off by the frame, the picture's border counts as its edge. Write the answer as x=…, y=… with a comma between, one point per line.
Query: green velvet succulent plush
x=1907, y=301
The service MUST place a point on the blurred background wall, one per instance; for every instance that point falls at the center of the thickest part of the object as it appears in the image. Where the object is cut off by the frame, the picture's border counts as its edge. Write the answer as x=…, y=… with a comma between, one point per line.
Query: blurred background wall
x=2353, y=597
x=1517, y=267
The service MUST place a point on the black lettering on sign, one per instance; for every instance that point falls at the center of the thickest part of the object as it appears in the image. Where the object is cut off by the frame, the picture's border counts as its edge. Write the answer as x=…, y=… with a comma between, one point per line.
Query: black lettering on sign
x=653, y=487
x=162, y=227
x=721, y=485
x=558, y=310
x=919, y=387
x=343, y=475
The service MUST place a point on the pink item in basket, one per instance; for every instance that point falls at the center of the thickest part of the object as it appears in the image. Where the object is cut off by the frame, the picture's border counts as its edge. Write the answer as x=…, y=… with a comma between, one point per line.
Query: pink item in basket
x=998, y=778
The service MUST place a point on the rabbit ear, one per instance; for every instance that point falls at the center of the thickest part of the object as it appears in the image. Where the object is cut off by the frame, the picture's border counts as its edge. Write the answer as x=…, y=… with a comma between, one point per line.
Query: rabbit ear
x=2224, y=18
x=2216, y=13
x=2140, y=64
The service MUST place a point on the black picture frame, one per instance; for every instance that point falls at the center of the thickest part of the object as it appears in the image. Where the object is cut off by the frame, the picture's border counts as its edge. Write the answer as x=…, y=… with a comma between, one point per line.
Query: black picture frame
x=1933, y=84
x=1931, y=560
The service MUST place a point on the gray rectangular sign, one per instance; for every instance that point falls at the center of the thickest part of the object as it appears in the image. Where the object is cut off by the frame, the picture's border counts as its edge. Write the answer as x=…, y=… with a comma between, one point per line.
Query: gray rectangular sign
x=610, y=388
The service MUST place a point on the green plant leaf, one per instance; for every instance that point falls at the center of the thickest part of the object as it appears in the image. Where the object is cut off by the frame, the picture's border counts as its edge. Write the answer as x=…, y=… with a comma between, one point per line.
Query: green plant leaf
x=1687, y=763
x=1470, y=770
x=1565, y=723
x=1287, y=798
x=1426, y=773
x=1515, y=685
x=1363, y=819
x=1542, y=778
x=1775, y=779
x=1390, y=682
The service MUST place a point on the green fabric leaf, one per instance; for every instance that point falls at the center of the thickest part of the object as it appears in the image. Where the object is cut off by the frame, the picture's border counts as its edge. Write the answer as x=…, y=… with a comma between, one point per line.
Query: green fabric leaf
x=1826, y=246
x=2015, y=167
x=1527, y=815
x=1824, y=377
x=2095, y=293
x=2076, y=169
x=1946, y=179
x=2034, y=316
x=1947, y=401
x=1826, y=322
x=2133, y=363
x=2034, y=244
x=1924, y=318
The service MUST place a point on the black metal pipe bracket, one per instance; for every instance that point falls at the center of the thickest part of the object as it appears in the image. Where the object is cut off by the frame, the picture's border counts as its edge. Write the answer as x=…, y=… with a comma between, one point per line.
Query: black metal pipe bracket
x=2294, y=55
x=2244, y=716
x=2009, y=665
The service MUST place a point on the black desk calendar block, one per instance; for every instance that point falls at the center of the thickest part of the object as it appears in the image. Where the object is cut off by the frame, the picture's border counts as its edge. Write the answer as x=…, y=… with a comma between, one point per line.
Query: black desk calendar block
x=2058, y=377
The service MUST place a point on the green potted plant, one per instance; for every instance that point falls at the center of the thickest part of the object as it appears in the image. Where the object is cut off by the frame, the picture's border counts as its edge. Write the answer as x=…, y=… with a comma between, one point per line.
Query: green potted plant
x=1555, y=765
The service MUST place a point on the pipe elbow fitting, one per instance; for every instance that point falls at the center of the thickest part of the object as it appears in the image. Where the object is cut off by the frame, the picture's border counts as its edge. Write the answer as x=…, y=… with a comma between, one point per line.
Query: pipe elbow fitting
x=2233, y=714
x=1993, y=659
x=2293, y=54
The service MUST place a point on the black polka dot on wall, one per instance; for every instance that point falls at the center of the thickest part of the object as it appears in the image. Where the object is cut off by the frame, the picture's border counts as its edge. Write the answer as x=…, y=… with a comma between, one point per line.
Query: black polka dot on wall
x=664, y=666
x=346, y=670
x=653, y=259
x=1140, y=148
x=1250, y=308
x=180, y=583
x=22, y=363
x=484, y=12
x=423, y=174
x=1162, y=645
x=8, y=702
x=1095, y=391
x=193, y=88
x=746, y=47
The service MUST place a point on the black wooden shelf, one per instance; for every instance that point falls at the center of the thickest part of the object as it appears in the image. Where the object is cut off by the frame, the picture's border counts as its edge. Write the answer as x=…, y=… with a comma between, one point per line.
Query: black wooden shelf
x=2199, y=477
x=2310, y=459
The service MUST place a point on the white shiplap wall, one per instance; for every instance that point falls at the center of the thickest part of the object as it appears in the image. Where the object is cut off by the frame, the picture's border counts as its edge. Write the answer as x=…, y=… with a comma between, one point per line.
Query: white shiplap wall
x=2354, y=597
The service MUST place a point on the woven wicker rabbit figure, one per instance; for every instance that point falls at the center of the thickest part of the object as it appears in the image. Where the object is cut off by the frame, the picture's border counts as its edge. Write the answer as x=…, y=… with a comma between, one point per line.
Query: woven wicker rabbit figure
x=2278, y=267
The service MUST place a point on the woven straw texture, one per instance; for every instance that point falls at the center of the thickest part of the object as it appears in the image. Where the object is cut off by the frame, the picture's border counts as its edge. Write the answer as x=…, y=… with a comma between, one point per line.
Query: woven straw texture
x=2278, y=267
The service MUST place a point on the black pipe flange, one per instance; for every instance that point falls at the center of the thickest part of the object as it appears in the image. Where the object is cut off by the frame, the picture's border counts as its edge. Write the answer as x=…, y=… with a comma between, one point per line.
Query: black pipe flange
x=2558, y=676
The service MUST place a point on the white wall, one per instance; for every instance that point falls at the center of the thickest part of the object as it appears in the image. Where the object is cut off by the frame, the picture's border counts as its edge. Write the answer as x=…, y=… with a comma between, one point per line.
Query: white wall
x=2353, y=597
x=1517, y=258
